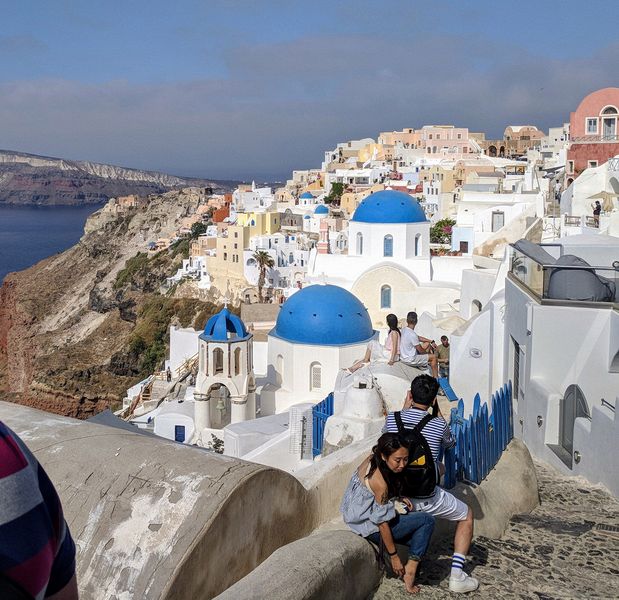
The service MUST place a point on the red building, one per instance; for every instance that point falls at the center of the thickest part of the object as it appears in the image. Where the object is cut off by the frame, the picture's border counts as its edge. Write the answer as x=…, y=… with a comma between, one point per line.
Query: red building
x=594, y=133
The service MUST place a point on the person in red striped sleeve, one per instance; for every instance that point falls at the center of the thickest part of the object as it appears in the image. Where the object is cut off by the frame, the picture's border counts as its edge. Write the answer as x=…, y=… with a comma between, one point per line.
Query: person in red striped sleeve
x=37, y=553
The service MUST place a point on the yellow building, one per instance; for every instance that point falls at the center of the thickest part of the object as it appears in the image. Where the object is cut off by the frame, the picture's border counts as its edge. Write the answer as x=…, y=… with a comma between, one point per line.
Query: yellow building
x=259, y=223
x=228, y=262
x=350, y=200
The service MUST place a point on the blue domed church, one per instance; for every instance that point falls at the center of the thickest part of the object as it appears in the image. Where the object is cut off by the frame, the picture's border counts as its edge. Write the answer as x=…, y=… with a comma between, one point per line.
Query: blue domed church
x=320, y=330
x=388, y=265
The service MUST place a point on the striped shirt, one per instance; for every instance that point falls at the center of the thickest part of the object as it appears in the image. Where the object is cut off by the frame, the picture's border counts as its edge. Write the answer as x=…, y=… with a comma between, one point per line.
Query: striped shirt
x=37, y=553
x=436, y=431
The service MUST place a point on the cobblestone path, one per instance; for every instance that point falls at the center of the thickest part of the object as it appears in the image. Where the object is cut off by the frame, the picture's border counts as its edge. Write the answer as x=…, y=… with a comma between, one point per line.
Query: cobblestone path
x=554, y=553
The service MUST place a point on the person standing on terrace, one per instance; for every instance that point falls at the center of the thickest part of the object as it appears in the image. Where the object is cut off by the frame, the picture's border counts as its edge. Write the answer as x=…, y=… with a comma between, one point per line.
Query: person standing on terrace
x=370, y=508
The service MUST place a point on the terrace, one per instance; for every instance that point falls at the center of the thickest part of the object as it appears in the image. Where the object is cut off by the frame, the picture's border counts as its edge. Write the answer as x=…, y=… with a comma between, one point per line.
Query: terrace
x=553, y=274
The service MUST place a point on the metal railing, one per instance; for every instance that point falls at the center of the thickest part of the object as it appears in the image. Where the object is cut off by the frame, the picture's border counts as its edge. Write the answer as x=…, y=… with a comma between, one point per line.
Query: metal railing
x=320, y=413
x=586, y=139
x=481, y=438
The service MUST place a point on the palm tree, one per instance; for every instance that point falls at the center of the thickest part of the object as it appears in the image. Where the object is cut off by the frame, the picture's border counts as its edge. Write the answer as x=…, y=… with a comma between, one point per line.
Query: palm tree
x=264, y=261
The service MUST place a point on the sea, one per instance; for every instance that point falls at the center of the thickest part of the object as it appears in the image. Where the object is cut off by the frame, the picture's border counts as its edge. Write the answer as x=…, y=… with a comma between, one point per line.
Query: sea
x=29, y=234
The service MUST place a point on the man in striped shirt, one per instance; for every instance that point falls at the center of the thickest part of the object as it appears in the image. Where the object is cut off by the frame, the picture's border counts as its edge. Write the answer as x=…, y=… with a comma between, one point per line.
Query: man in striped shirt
x=442, y=504
x=37, y=553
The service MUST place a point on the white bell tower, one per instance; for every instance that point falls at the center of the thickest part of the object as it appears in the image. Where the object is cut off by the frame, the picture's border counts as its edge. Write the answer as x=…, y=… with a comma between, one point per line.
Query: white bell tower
x=225, y=387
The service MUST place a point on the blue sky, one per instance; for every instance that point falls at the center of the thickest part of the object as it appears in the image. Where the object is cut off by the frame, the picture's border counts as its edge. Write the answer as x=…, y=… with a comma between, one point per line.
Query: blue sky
x=256, y=88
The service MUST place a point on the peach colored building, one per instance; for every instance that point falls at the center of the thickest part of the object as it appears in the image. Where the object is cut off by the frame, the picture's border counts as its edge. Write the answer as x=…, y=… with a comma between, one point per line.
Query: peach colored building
x=594, y=132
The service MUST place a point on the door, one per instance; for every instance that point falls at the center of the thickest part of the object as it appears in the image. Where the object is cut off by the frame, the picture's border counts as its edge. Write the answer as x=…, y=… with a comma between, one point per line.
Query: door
x=179, y=433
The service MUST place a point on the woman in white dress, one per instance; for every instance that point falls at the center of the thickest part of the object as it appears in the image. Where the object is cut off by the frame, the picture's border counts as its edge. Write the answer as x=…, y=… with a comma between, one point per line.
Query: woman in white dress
x=375, y=352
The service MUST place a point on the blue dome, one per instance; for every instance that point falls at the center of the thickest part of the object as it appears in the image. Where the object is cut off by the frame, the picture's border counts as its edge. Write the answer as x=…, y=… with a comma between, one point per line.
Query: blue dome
x=325, y=315
x=307, y=217
x=220, y=325
x=321, y=209
x=307, y=196
x=389, y=206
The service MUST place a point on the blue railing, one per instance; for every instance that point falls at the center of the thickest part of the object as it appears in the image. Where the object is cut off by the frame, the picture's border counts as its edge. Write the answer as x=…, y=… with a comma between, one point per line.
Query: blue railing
x=320, y=413
x=480, y=438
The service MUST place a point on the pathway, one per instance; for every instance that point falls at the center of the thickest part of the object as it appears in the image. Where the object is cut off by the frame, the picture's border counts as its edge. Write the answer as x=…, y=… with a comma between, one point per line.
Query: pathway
x=554, y=553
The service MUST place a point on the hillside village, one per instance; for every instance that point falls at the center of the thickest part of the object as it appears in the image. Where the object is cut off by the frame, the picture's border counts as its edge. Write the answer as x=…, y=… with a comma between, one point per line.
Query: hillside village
x=437, y=220
x=508, y=249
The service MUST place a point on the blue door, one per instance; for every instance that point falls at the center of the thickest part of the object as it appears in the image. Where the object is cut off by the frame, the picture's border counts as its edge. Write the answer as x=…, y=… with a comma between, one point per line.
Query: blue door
x=179, y=433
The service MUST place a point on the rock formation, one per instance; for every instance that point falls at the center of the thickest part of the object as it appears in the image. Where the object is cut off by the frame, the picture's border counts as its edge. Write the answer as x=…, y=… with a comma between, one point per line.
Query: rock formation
x=27, y=179
x=80, y=327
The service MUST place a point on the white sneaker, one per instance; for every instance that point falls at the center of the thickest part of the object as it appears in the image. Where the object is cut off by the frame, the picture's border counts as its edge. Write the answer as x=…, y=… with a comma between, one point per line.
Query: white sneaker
x=466, y=583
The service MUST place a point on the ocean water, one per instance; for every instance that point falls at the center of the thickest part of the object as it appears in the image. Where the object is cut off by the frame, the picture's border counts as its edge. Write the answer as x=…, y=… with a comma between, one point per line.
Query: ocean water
x=30, y=233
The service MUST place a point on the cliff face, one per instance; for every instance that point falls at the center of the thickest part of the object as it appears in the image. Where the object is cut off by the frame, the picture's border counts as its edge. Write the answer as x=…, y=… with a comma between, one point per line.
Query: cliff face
x=30, y=179
x=68, y=328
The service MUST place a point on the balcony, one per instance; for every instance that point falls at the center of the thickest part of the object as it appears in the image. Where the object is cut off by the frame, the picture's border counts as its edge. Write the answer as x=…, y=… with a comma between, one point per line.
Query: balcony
x=595, y=139
x=553, y=277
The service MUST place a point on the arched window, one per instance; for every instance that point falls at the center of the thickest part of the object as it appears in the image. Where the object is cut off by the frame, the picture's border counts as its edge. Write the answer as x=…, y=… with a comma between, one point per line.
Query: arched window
x=418, y=244
x=609, y=110
x=237, y=361
x=218, y=361
x=279, y=369
x=385, y=296
x=475, y=307
x=359, y=243
x=315, y=376
x=388, y=245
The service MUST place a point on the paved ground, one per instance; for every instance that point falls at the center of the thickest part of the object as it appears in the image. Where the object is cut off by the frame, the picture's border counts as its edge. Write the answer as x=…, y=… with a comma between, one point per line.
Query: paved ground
x=554, y=553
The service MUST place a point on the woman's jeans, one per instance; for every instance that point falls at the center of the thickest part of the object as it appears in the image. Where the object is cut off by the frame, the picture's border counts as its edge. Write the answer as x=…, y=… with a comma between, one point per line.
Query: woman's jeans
x=414, y=529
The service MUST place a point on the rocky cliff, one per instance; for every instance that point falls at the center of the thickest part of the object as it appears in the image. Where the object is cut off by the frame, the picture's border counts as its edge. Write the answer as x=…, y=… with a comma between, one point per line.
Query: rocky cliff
x=79, y=328
x=41, y=180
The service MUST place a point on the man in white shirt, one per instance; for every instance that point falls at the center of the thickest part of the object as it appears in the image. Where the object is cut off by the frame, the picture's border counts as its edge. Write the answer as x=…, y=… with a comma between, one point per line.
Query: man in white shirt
x=415, y=349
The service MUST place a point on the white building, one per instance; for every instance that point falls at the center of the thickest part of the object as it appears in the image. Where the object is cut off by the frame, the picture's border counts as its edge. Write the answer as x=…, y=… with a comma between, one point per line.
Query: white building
x=389, y=266
x=319, y=331
x=554, y=332
x=225, y=385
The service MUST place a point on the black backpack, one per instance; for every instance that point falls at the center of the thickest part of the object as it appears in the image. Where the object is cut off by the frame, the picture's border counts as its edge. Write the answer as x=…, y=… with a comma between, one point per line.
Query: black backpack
x=420, y=476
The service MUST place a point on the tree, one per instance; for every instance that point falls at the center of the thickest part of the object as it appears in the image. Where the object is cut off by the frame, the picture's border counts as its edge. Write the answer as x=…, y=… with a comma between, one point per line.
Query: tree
x=264, y=261
x=197, y=229
x=335, y=195
x=440, y=232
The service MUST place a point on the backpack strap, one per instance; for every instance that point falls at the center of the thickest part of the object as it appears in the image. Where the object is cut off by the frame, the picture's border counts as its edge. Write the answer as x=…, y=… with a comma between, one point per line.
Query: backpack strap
x=422, y=423
x=397, y=415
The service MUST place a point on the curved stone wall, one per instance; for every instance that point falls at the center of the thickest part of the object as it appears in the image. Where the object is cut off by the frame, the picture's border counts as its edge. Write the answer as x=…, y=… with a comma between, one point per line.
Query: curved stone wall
x=155, y=519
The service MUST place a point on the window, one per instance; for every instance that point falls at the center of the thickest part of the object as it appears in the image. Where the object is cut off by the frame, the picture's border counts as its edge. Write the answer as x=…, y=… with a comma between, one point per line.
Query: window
x=236, y=234
x=359, y=243
x=218, y=361
x=498, y=220
x=388, y=245
x=592, y=126
x=418, y=244
x=279, y=369
x=459, y=136
x=315, y=376
x=592, y=164
x=609, y=126
x=385, y=297
x=516, y=374
x=237, y=361
x=225, y=256
x=570, y=166
x=609, y=110
x=475, y=307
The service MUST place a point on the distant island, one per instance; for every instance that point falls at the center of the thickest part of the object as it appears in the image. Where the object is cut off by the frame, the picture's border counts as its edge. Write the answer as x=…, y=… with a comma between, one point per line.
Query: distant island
x=32, y=180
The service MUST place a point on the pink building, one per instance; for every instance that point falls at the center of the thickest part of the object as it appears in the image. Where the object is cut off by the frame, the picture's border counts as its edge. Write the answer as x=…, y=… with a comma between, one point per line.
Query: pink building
x=594, y=133
x=445, y=139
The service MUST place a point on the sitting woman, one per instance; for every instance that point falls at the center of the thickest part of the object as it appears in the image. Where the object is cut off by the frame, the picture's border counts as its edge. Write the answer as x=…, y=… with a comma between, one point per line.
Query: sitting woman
x=369, y=509
x=375, y=352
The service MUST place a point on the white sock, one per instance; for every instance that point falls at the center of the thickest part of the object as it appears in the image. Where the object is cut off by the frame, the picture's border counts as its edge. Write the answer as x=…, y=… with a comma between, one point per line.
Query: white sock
x=457, y=565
